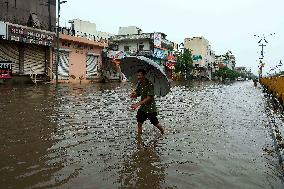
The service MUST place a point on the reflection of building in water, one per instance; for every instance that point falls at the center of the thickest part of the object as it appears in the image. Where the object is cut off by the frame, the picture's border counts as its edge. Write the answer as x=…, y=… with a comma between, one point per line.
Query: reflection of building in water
x=143, y=169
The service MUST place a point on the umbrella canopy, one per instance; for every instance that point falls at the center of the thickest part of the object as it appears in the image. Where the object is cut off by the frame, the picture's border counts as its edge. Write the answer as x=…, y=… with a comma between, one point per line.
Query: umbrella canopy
x=129, y=66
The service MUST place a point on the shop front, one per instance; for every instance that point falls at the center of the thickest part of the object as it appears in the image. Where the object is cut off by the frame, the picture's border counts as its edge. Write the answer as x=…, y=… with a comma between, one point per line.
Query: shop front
x=28, y=49
x=80, y=59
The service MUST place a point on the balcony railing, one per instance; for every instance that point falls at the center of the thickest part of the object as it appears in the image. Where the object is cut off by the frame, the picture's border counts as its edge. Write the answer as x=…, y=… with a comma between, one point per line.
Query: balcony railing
x=71, y=32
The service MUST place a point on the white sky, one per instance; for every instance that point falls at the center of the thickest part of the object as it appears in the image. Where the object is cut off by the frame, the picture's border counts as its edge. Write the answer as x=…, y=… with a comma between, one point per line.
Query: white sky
x=227, y=24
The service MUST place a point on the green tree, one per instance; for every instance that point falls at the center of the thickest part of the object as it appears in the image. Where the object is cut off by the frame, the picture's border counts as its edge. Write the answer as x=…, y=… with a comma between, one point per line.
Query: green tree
x=227, y=73
x=184, y=63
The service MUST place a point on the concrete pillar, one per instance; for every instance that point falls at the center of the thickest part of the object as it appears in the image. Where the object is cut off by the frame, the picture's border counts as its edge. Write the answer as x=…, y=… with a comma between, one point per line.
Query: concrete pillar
x=49, y=62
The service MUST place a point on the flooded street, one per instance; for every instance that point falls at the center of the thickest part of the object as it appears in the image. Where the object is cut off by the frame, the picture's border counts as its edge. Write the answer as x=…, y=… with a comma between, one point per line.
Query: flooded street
x=84, y=136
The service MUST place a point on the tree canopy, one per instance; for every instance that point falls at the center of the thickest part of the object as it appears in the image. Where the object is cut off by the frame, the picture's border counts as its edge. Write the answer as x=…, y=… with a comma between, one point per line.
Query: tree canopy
x=184, y=63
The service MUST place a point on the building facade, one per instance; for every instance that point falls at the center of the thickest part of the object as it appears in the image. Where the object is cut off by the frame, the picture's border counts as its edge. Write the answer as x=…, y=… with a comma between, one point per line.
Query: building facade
x=202, y=54
x=226, y=60
x=88, y=30
x=28, y=49
x=26, y=37
x=80, y=59
x=40, y=14
x=134, y=42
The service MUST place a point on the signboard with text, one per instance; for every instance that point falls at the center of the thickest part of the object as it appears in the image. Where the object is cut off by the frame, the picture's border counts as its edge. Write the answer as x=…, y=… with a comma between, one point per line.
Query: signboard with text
x=5, y=69
x=157, y=39
x=116, y=54
x=29, y=35
x=159, y=53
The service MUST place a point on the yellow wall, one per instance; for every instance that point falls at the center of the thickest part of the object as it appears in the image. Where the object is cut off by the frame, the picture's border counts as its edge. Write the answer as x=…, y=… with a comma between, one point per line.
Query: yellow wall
x=275, y=85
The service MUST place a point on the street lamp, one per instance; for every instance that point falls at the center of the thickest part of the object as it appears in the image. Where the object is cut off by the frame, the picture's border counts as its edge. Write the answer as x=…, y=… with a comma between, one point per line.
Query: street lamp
x=57, y=32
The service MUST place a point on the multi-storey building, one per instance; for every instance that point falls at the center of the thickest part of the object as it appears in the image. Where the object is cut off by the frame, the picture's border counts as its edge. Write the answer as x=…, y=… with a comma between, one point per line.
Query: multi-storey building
x=133, y=41
x=203, y=56
x=227, y=60
x=87, y=29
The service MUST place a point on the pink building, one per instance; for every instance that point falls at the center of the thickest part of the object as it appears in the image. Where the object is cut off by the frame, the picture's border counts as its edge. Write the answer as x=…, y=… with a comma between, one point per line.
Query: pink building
x=79, y=59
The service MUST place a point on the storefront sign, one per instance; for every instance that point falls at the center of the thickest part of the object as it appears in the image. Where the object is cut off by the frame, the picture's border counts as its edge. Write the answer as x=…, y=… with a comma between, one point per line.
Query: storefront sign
x=196, y=58
x=27, y=35
x=5, y=70
x=3, y=30
x=170, y=65
x=159, y=53
x=157, y=39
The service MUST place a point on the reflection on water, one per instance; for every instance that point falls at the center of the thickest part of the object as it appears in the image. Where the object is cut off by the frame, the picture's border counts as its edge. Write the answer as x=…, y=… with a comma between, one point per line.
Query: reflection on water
x=26, y=132
x=143, y=168
x=84, y=136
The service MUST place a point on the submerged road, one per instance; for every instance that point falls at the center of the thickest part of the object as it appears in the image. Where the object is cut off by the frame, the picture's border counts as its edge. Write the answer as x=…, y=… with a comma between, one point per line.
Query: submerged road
x=77, y=136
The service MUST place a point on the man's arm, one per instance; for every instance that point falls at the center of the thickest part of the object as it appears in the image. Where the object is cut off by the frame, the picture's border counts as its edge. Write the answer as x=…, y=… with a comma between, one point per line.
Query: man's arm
x=145, y=100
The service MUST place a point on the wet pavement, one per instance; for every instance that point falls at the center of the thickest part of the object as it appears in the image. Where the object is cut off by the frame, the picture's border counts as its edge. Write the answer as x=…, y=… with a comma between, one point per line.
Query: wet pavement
x=84, y=136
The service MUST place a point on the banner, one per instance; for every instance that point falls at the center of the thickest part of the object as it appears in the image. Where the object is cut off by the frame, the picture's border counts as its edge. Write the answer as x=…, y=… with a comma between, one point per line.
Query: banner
x=116, y=54
x=159, y=53
x=157, y=39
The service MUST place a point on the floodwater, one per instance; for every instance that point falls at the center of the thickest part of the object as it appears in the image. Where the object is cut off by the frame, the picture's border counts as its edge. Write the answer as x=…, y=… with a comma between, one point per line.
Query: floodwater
x=84, y=137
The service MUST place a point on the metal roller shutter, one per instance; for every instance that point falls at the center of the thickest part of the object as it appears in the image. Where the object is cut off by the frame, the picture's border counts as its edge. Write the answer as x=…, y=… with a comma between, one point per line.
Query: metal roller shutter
x=92, y=67
x=34, y=59
x=63, y=66
x=10, y=52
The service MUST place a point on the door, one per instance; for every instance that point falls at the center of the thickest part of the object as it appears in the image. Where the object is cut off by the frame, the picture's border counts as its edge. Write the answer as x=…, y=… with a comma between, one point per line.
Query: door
x=63, y=65
x=34, y=59
x=10, y=52
x=92, y=67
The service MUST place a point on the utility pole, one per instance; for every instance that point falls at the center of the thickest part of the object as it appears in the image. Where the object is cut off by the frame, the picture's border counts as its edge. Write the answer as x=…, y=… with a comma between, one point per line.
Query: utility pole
x=262, y=43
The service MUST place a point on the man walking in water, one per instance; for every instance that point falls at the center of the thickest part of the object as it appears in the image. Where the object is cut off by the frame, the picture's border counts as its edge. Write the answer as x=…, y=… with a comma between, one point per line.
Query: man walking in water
x=147, y=104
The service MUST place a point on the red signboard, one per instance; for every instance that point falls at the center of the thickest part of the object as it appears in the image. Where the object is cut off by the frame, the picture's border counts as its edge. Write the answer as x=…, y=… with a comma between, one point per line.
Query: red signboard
x=5, y=70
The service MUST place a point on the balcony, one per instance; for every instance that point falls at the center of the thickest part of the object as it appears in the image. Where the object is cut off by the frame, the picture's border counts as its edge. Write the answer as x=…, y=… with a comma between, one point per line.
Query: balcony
x=118, y=38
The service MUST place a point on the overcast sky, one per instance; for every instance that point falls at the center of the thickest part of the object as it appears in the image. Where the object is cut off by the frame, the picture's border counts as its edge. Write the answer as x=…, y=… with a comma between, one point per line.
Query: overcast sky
x=227, y=24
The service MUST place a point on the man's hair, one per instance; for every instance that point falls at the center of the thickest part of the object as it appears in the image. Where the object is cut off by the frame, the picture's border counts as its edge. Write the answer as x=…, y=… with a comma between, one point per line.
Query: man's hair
x=141, y=71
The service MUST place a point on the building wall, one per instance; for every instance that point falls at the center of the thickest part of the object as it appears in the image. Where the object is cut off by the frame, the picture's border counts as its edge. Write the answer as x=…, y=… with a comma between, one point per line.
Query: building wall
x=129, y=30
x=19, y=11
x=198, y=46
x=78, y=50
x=84, y=26
x=134, y=45
x=86, y=29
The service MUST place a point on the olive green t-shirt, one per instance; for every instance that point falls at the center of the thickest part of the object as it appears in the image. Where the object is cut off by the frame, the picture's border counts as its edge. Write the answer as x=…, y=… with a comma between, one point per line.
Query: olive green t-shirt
x=144, y=90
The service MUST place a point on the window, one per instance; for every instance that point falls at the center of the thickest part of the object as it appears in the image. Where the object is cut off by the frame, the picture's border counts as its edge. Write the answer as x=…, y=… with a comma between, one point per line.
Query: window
x=126, y=48
x=141, y=47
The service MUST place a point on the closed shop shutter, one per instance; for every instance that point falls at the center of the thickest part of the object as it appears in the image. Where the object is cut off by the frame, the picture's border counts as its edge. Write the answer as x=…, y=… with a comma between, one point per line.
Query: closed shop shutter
x=10, y=52
x=34, y=59
x=63, y=65
x=92, y=66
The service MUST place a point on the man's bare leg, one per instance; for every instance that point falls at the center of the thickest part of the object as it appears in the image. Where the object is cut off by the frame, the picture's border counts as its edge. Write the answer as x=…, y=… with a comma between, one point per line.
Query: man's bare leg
x=139, y=127
x=160, y=128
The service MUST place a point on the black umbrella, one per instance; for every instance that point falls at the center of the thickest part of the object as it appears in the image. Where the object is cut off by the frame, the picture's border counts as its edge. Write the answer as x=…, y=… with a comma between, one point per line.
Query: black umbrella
x=129, y=66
